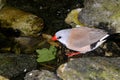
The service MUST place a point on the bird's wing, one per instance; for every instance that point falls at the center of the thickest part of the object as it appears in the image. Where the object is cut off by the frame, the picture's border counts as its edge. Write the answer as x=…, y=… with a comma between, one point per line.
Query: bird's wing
x=84, y=36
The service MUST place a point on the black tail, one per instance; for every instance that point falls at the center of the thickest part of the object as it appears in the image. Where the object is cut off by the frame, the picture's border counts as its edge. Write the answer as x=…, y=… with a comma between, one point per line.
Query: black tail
x=115, y=38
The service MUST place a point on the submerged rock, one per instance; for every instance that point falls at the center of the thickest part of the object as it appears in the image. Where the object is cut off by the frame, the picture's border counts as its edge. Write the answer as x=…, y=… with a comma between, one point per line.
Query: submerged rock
x=102, y=14
x=25, y=23
x=92, y=68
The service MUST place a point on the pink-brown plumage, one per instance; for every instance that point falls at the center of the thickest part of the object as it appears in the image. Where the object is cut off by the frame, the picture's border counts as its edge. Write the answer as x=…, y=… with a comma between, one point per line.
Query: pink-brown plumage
x=81, y=38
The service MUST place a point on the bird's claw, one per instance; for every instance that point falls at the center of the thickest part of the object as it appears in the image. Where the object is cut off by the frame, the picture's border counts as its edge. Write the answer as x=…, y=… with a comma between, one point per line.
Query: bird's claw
x=72, y=54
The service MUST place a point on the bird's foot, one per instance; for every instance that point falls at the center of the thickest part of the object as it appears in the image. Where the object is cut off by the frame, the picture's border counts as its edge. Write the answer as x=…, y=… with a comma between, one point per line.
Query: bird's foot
x=72, y=54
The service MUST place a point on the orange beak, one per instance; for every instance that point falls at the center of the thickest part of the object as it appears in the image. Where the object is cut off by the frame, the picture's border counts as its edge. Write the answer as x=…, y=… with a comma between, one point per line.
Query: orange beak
x=54, y=38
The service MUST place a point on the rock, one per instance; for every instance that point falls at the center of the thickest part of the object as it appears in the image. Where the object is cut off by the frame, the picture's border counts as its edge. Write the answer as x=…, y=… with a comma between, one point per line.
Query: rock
x=25, y=23
x=112, y=49
x=40, y=75
x=2, y=3
x=52, y=11
x=102, y=14
x=6, y=43
x=31, y=44
x=12, y=65
x=48, y=39
x=92, y=68
x=3, y=78
x=72, y=17
x=20, y=45
x=27, y=44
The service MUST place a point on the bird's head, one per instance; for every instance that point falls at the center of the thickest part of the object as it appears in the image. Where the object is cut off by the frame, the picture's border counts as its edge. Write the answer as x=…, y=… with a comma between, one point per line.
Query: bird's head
x=61, y=36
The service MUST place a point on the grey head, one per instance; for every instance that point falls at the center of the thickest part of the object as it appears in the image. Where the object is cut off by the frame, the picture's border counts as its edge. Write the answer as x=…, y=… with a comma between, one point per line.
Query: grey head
x=62, y=35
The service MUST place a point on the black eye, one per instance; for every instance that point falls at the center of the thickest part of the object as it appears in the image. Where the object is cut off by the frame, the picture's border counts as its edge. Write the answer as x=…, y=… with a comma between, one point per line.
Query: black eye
x=59, y=37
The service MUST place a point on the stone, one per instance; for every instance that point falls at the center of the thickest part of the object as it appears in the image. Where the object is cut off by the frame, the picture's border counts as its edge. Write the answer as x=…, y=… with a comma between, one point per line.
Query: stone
x=25, y=23
x=40, y=75
x=2, y=3
x=12, y=65
x=90, y=68
x=101, y=14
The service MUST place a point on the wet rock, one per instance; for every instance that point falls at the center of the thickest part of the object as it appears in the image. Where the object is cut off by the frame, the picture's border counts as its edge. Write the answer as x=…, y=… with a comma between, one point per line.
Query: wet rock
x=40, y=75
x=12, y=65
x=102, y=14
x=25, y=23
x=92, y=68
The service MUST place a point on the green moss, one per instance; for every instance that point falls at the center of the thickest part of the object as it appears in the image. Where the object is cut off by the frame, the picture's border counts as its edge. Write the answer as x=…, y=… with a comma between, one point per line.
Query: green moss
x=72, y=18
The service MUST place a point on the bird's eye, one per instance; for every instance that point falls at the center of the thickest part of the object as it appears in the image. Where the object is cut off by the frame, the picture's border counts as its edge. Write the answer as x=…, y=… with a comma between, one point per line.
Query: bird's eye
x=59, y=37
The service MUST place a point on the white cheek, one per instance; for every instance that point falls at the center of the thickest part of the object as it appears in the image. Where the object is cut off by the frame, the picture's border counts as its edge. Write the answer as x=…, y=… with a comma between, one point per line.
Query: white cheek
x=63, y=41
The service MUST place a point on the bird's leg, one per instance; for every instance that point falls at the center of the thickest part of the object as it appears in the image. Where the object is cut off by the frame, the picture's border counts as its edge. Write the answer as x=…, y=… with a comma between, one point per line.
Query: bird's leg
x=72, y=54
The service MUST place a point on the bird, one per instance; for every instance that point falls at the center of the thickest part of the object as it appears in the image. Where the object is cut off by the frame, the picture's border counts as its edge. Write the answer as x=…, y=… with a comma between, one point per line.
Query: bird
x=81, y=39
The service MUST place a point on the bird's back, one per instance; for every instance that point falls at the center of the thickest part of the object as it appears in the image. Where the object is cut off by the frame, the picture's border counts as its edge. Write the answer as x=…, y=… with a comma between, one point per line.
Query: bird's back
x=84, y=36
